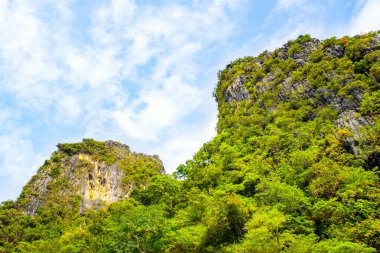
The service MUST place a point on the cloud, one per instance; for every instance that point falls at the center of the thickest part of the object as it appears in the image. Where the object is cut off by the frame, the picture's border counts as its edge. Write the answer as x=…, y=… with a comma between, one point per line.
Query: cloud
x=16, y=155
x=367, y=19
x=167, y=39
x=128, y=71
x=184, y=142
x=285, y=4
x=170, y=40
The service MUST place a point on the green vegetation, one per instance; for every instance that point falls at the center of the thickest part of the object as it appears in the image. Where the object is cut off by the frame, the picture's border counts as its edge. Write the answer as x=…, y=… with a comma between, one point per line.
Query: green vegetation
x=293, y=168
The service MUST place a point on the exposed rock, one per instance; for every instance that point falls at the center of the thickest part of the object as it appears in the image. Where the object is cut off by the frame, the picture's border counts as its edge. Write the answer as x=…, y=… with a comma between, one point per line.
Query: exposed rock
x=342, y=104
x=99, y=184
x=374, y=45
x=370, y=49
x=116, y=144
x=262, y=57
x=334, y=51
x=300, y=57
x=288, y=89
x=353, y=122
x=236, y=91
x=36, y=197
x=375, y=40
x=269, y=77
x=306, y=49
x=262, y=87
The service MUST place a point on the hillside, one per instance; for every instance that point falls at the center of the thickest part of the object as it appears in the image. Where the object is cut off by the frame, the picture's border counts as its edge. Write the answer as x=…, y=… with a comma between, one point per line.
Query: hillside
x=294, y=167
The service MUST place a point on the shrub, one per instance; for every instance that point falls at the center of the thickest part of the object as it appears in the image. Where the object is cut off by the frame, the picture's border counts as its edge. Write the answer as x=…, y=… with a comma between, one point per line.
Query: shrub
x=316, y=56
x=371, y=103
x=375, y=72
x=329, y=42
x=296, y=48
x=303, y=38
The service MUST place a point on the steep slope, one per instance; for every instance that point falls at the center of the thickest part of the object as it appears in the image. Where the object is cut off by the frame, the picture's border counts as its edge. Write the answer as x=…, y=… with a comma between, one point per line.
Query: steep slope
x=87, y=175
x=304, y=79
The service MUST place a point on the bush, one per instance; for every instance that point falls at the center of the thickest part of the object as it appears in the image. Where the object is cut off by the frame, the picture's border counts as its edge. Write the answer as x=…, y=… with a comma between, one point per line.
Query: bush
x=296, y=48
x=316, y=56
x=371, y=103
x=352, y=88
x=375, y=72
x=303, y=38
x=329, y=42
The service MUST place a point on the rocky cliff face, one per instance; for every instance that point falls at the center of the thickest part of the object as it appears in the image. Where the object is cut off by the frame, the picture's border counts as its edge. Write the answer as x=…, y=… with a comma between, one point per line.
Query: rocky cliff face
x=236, y=91
x=336, y=74
x=88, y=175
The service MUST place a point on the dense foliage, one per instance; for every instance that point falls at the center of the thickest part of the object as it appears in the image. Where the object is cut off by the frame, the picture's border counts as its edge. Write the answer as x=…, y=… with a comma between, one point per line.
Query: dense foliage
x=294, y=167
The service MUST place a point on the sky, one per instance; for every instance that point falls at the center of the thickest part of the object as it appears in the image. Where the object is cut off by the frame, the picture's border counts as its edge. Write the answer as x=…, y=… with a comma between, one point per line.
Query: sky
x=139, y=72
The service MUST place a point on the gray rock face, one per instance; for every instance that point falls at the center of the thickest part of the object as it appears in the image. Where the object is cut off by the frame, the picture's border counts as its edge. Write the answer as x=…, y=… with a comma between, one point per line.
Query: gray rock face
x=350, y=120
x=305, y=86
x=370, y=49
x=95, y=182
x=306, y=49
x=36, y=198
x=374, y=45
x=98, y=184
x=236, y=91
x=300, y=57
x=354, y=123
x=375, y=40
x=334, y=51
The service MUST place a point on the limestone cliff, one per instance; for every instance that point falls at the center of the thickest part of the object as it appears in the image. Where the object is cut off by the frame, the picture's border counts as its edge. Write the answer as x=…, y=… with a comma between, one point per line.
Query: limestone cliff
x=339, y=75
x=87, y=175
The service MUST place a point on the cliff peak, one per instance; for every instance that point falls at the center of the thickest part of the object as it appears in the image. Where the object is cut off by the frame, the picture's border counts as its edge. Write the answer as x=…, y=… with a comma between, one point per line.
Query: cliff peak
x=88, y=175
x=308, y=75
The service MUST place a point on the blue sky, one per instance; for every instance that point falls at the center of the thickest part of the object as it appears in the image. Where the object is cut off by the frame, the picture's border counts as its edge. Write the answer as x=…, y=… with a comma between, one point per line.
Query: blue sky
x=140, y=72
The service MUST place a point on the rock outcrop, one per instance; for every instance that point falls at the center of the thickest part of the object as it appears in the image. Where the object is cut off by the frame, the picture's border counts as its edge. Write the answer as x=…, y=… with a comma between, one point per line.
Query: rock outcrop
x=237, y=91
x=88, y=175
x=329, y=74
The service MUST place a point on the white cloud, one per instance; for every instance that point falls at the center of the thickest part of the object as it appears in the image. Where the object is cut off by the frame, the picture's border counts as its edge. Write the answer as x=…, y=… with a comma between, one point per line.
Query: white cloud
x=18, y=161
x=69, y=106
x=137, y=74
x=285, y=4
x=169, y=37
x=317, y=19
x=184, y=143
x=367, y=19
